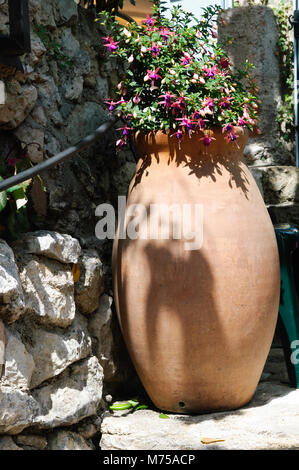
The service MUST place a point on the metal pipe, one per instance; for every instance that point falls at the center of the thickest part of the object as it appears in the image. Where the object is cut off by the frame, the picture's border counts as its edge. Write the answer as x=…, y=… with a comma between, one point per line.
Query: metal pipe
x=60, y=157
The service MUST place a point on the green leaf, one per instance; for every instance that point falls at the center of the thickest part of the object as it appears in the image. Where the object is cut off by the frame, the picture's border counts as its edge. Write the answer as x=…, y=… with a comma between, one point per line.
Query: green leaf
x=163, y=416
x=3, y=198
x=133, y=403
x=141, y=407
x=13, y=188
x=120, y=406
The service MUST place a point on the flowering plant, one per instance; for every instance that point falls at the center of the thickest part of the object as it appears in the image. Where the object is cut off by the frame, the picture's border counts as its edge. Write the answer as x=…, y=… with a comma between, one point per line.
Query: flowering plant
x=178, y=79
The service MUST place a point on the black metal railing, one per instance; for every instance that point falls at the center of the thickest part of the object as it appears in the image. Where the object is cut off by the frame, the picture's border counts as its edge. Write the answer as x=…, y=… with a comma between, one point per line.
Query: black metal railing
x=60, y=157
x=69, y=152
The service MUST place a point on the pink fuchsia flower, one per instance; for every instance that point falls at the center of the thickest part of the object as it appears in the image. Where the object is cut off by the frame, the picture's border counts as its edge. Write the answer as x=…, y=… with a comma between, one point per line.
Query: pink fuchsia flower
x=224, y=63
x=187, y=123
x=225, y=102
x=186, y=60
x=167, y=100
x=109, y=42
x=214, y=34
x=179, y=134
x=198, y=34
x=210, y=72
x=112, y=104
x=155, y=50
x=11, y=161
x=207, y=140
x=179, y=104
x=208, y=103
x=125, y=131
x=200, y=123
x=136, y=99
x=152, y=75
x=231, y=137
x=242, y=122
x=150, y=21
x=166, y=33
x=228, y=128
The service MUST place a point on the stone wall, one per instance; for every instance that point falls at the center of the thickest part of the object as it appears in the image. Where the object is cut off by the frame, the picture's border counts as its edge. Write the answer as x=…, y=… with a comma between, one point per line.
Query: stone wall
x=59, y=339
x=254, y=36
x=56, y=343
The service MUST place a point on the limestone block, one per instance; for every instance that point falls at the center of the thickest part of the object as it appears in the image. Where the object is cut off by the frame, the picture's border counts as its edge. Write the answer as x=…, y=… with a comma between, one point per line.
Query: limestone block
x=11, y=294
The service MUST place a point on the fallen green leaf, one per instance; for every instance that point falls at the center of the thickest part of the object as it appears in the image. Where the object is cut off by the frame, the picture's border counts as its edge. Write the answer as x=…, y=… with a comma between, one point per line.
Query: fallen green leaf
x=163, y=416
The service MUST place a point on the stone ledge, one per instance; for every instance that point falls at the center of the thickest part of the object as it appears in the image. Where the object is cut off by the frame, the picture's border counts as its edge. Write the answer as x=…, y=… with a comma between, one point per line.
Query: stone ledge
x=270, y=421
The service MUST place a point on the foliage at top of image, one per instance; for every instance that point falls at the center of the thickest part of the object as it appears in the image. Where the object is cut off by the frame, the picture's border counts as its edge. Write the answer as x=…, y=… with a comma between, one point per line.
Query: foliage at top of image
x=178, y=79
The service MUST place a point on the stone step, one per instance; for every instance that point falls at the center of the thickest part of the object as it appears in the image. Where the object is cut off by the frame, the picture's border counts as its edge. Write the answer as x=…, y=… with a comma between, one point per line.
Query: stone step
x=269, y=421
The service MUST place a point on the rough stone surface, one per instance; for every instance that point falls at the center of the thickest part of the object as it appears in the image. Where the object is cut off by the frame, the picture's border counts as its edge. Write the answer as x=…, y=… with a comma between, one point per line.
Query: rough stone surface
x=67, y=440
x=17, y=410
x=66, y=10
x=285, y=213
x=32, y=440
x=61, y=247
x=54, y=350
x=11, y=293
x=28, y=133
x=19, y=102
x=2, y=346
x=49, y=290
x=19, y=363
x=100, y=329
x=91, y=282
x=7, y=443
x=72, y=397
x=280, y=184
x=254, y=32
x=270, y=421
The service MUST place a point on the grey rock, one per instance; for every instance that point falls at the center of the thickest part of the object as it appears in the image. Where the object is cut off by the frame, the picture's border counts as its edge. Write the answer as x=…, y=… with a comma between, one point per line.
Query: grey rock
x=17, y=410
x=19, y=363
x=280, y=184
x=37, y=49
x=61, y=247
x=32, y=440
x=11, y=294
x=67, y=440
x=285, y=213
x=27, y=134
x=255, y=35
x=100, y=329
x=268, y=422
x=72, y=397
x=91, y=283
x=54, y=350
x=2, y=346
x=84, y=119
x=74, y=88
x=65, y=11
x=19, y=102
x=7, y=443
x=49, y=290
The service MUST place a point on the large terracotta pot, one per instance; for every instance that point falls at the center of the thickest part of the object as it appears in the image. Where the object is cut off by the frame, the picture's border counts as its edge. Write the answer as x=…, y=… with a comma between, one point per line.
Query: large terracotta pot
x=198, y=324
